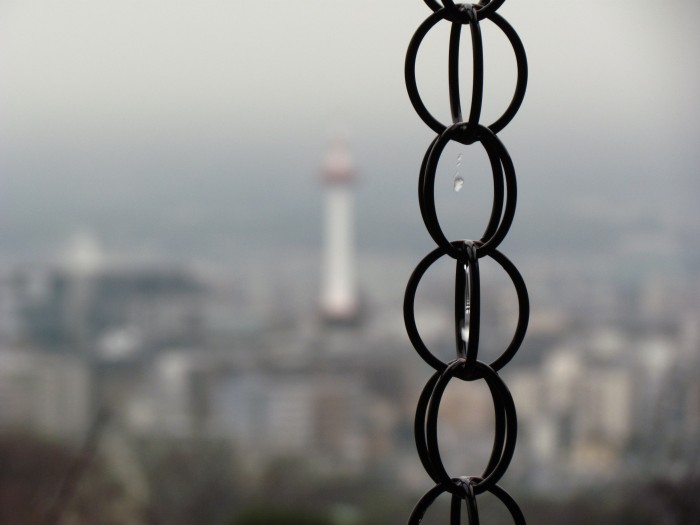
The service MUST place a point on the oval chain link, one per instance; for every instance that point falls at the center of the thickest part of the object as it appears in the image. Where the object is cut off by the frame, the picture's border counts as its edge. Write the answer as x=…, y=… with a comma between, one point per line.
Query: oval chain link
x=466, y=366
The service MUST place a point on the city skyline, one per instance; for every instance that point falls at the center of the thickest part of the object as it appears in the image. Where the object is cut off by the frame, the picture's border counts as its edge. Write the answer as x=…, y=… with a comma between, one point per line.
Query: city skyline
x=162, y=253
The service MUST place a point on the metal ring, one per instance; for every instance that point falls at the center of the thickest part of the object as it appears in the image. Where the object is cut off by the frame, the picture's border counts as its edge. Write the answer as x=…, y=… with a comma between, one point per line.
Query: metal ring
x=523, y=310
x=469, y=131
x=488, y=9
x=419, y=426
x=456, y=510
x=410, y=318
x=506, y=499
x=467, y=294
x=484, y=11
x=429, y=455
x=456, y=13
x=467, y=288
x=412, y=86
x=433, y=4
x=424, y=452
x=470, y=501
x=521, y=80
x=501, y=165
x=453, y=74
x=430, y=219
x=503, y=446
x=418, y=512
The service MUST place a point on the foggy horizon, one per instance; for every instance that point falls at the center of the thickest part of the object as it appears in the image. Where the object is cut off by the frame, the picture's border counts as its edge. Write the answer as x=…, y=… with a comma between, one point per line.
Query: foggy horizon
x=204, y=125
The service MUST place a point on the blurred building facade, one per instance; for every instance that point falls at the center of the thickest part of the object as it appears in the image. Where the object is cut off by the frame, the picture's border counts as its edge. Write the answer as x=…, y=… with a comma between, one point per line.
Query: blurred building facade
x=147, y=343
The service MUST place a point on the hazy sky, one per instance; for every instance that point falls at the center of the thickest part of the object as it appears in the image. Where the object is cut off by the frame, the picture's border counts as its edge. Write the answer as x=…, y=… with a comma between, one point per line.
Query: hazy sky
x=138, y=117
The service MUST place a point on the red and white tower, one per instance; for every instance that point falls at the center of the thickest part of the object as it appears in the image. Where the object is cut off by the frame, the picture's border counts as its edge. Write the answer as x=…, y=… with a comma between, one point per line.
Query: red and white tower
x=339, y=300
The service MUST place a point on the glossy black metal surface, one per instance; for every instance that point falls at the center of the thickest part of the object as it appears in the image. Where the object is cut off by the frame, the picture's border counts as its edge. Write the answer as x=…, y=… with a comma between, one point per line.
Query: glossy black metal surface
x=467, y=254
x=501, y=166
x=412, y=327
x=504, y=442
x=412, y=86
x=427, y=500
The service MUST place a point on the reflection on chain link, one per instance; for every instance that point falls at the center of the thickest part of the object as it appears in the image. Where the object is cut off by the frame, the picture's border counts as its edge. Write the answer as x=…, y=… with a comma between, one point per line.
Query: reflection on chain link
x=466, y=366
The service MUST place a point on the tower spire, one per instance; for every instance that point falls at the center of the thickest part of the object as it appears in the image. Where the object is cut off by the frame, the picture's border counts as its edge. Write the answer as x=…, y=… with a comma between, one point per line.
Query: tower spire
x=339, y=302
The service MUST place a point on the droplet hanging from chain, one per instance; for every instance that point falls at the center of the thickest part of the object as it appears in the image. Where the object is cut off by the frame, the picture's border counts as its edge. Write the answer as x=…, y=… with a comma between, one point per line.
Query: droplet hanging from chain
x=467, y=253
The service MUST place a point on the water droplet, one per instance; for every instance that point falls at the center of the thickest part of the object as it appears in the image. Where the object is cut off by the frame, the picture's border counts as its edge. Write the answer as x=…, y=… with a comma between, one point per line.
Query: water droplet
x=459, y=183
x=459, y=158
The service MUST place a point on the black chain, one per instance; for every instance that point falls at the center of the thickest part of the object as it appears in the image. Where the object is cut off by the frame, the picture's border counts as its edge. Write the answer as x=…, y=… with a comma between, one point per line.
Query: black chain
x=466, y=366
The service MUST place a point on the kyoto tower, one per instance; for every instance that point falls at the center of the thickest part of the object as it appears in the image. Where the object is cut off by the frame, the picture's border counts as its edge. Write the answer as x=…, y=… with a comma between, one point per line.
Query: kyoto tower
x=339, y=299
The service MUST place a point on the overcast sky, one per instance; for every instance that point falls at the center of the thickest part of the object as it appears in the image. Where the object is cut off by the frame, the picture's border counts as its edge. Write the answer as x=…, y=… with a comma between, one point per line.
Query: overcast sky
x=165, y=111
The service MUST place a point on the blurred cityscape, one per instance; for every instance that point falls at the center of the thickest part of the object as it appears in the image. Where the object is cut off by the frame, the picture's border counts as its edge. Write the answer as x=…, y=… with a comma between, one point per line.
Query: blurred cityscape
x=198, y=326
x=163, y=392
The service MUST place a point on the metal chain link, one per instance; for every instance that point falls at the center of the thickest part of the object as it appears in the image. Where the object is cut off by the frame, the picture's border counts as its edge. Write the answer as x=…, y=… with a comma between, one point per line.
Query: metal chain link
x=467, y=366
